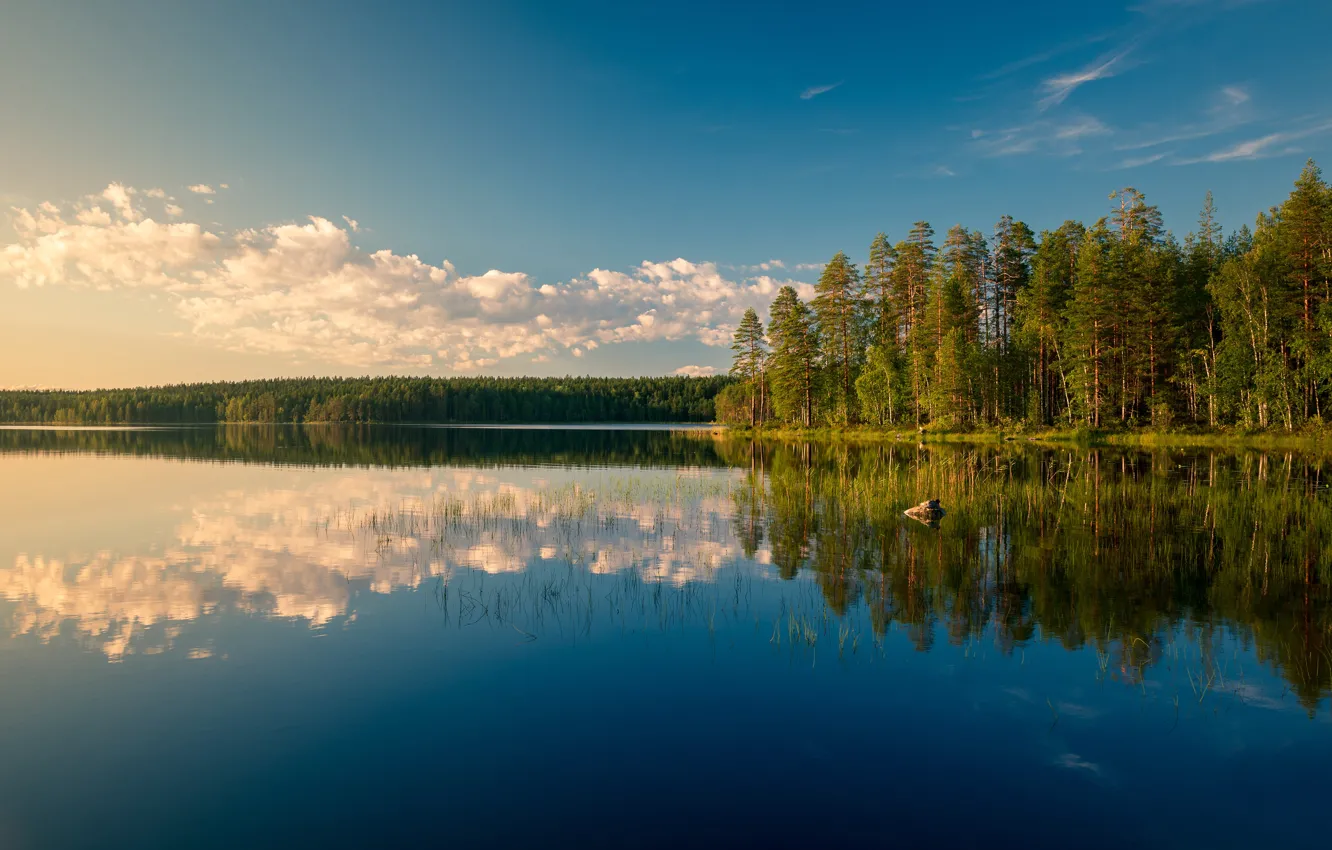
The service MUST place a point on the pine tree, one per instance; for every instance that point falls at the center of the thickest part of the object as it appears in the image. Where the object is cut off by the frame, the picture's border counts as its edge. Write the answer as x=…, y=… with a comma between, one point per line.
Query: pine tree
x=1091, y=316
x=840, y=311
x=1302, y=232
x=911, y=276
x=1041, y=317
x=794, y=358
x=1198, y=317
x=749, y=358
x=877, y=292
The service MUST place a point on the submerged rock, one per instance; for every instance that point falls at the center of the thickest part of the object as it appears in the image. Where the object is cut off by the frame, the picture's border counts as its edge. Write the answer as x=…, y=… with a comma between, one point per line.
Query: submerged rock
x=928, y=512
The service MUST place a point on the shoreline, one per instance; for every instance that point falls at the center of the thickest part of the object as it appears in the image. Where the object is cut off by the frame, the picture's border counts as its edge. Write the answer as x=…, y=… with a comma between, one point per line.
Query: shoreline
x=1270, y=440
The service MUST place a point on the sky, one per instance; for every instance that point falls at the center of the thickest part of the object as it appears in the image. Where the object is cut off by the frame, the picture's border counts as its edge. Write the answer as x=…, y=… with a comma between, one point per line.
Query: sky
x=194, y=191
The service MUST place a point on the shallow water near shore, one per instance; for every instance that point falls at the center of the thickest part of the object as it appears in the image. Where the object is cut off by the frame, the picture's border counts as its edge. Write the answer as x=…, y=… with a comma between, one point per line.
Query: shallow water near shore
x=349, y=637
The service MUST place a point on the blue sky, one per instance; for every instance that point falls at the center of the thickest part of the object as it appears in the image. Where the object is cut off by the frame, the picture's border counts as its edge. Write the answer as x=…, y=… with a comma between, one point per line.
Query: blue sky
x=546, y=141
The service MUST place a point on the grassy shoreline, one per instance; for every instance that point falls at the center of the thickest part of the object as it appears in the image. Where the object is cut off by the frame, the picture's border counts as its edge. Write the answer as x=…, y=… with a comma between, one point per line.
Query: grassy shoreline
x=1320, y=440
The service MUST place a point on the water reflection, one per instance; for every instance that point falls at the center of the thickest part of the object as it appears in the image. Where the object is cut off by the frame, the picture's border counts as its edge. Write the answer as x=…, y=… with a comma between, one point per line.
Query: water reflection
x=1115, y=553
x=304, y=553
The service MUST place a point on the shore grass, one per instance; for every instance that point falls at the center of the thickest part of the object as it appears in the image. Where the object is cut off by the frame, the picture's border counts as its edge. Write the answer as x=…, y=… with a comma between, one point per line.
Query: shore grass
x=1319, y=440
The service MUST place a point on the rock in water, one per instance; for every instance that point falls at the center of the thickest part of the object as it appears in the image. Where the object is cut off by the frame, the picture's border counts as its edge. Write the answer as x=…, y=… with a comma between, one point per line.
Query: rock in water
x=929, y=512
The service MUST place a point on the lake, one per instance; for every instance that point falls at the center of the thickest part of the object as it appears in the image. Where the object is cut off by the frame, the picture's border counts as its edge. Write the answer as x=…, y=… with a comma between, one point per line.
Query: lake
x=357, y=637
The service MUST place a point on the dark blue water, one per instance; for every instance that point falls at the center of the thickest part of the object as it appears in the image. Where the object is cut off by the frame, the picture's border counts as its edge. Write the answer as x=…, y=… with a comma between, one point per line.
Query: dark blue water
x=564, y=643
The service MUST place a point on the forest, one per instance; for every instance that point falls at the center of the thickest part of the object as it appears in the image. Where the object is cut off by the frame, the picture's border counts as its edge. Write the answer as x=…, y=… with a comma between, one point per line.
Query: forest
x=376, y=400
x=1107, y=326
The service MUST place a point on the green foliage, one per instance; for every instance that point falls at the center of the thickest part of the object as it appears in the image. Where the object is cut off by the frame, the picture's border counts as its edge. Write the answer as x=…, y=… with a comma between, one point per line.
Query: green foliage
x=749, y=364
x=1109, y=327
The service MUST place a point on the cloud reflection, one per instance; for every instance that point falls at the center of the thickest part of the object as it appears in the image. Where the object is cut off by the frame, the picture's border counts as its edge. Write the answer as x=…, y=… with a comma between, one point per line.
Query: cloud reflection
x=304, y=553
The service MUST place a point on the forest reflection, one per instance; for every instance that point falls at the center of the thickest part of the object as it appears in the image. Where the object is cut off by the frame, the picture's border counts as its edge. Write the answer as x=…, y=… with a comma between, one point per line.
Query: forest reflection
x=1112, y=551
x=1086, y=547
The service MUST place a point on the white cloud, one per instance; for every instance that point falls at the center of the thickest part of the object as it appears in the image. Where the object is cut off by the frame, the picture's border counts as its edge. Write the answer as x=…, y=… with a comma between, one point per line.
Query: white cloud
x=1086, y=126
x=1139, y=161
x=815, y=91
x=155, y=193
x=303, y=290
x=1059, y=87
x=1073, y=761
x=1039, y=137
x=94, y=216
x=201, y=189
x=696, y=371
x=119, y=197
x=1273, y=144
x=1235, y=95
x=1252, y=149
x=766, y=266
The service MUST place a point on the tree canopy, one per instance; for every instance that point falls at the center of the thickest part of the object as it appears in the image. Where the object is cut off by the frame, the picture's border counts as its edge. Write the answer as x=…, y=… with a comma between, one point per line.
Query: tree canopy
x=1113, y=324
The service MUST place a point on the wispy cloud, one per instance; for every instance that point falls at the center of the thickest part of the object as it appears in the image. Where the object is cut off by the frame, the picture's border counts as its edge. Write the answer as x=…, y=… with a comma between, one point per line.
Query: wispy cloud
x=1229, y=109
x=1059, y=87
x=1042, y=57
x=1086, y=126
x=1045, y=137
x=1273, y=144
x=815, y=91
x=1154, y=7
x=943, y=171
x=1073, y=761
x=1139, y=161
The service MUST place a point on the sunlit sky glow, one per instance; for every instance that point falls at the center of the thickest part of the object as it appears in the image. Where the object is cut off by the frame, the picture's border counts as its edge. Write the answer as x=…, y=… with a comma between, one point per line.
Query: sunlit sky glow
x=205, y=191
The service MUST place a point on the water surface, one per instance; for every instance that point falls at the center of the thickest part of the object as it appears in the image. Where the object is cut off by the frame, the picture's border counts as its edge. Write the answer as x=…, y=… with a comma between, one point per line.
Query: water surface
x=270, y=637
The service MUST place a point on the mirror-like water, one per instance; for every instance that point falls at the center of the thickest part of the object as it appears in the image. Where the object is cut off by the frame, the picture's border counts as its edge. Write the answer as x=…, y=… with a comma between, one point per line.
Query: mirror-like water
x=361, y=637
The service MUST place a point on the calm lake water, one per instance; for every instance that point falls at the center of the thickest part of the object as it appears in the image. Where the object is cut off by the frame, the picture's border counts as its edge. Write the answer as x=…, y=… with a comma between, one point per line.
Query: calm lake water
x=257, y=637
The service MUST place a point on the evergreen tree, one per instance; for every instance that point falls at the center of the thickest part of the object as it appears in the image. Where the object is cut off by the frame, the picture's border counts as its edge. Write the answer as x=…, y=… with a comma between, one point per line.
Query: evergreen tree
x=795, y=353
x=877, y=292
x=1041, y=317
x=749, y=360
x=839, y=310
x=911, y=277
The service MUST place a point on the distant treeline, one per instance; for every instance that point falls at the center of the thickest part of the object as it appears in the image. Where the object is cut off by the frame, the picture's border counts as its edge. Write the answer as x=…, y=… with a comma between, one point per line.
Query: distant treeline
x=368, y=400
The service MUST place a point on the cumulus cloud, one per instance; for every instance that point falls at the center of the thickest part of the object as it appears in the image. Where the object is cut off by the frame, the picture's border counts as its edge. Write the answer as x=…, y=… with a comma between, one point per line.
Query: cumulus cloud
x=302, y=289
x=202, y=189
x=119, y=197
x=696, y=371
